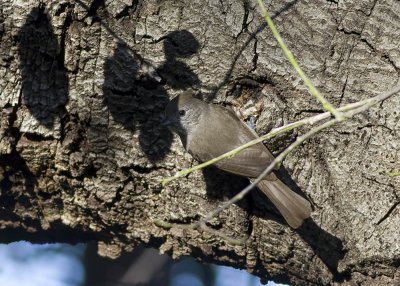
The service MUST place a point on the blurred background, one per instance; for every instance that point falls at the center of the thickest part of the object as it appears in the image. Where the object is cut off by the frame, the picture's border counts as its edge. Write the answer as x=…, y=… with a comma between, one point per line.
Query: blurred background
x=26, y=264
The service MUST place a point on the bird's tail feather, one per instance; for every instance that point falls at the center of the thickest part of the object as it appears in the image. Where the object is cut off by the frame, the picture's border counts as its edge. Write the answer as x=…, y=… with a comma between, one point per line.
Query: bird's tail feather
x=294, y=208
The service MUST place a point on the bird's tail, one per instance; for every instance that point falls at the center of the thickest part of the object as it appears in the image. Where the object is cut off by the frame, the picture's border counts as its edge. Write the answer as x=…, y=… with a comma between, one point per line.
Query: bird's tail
x=294, y=208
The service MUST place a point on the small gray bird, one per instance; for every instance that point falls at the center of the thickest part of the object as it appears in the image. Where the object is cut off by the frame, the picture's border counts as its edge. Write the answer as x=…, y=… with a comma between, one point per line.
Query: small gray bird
x=208, y=130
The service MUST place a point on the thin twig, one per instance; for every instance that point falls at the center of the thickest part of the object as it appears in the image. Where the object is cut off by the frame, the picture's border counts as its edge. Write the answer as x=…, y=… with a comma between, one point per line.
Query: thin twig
x=392, y=174
x=235, y=151
x=200, y=225
x=313, y=90
x=268, y=170
x=368, y=103
x=348, y=115
x=225, y=237
x=356, y=107
x=350, y=111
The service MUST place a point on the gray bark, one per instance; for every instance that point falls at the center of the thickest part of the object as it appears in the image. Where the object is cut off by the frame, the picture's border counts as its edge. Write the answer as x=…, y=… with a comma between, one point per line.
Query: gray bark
x=83, y=85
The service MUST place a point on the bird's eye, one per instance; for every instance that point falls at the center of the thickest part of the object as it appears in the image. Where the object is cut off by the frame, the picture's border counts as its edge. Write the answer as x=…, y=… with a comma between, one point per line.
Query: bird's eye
x=182, y=112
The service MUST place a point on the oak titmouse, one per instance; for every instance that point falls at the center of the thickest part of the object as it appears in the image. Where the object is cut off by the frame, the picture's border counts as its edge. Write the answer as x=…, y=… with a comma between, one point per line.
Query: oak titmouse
x=208, y=130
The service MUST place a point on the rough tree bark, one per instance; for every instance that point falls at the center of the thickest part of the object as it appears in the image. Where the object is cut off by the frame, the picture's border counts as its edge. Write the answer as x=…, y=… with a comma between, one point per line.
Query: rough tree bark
x=83, y=85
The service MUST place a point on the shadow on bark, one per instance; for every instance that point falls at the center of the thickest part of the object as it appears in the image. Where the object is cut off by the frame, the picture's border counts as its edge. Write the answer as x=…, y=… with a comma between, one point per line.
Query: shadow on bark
x=17, y=189
x=177, y=74
x=326, y=246
x=14, y=172
x=44, y=78
x=222, y=185
x=137, y=101
x=121, y=95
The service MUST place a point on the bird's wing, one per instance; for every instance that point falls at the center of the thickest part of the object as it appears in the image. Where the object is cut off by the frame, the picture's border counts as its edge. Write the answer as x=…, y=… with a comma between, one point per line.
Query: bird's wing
x=227, y=136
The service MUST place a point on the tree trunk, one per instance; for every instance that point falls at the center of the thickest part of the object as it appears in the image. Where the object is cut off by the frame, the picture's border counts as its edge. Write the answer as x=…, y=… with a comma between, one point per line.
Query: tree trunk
x=83, y=86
